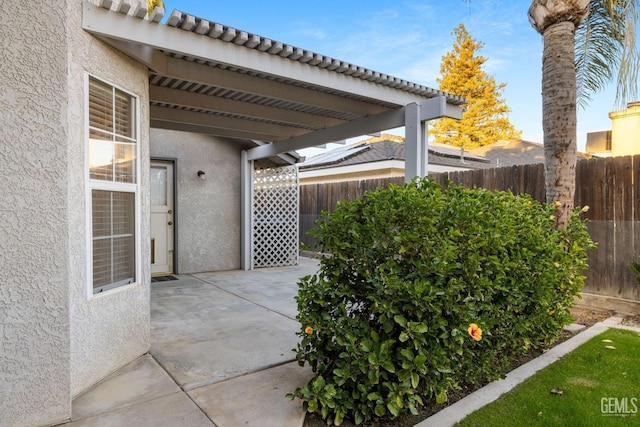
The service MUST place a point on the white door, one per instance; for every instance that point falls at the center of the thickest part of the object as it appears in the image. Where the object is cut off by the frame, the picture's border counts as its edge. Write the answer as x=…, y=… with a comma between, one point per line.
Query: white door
x=161, y=178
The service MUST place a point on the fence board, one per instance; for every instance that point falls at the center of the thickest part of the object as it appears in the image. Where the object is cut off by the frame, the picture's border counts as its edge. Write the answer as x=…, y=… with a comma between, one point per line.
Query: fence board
x=622, y=275
x=623, y=188
x=607, y=186
x=635, y=181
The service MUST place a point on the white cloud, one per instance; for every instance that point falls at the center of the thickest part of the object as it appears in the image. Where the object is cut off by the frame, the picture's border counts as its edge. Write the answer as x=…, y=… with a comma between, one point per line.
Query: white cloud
x=310, y=32
x=424, y=70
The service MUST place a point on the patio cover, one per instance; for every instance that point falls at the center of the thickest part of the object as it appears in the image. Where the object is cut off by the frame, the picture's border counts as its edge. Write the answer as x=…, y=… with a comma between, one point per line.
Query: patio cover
x=270, y=97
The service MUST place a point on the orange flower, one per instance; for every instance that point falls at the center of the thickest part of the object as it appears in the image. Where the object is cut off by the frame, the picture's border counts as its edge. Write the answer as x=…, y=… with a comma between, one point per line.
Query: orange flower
x=308, y=330
x=475, y=332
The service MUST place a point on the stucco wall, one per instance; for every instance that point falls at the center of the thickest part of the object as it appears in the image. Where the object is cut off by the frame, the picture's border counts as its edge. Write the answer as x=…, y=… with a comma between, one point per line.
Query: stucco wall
x=208, y=211
x=34, y=267
x=625, y=132
x=111, y=329
x=55, y=340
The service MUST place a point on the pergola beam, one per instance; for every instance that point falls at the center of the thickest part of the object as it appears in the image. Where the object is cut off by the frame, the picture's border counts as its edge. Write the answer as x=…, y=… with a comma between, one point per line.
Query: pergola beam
x=208, y=130
x=152, y=58
x=286, y=157
x=388, y=120
x=213, y=76
x=430, y=109
x=204, y=119
x=199, y=101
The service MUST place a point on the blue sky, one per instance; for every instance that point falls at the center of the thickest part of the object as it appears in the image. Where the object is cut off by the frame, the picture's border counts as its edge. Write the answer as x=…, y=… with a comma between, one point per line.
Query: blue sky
x=407, y=39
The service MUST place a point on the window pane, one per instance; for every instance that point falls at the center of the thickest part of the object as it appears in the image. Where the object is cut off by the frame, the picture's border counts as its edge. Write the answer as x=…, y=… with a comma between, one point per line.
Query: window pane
x=113, y=219
x=123, y=260
x=100, y=106
x=101, y=159
x=123, y=213
x=158, y=186
x=101, y=218
x=111, y=118
x=125, y=162
x=101, y=263
x=98, y=134
x=124, y=115
x=112, y=157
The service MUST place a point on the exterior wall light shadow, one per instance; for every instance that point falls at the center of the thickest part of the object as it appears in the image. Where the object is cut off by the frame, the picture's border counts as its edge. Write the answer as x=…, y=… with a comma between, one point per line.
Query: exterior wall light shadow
x=201, y=175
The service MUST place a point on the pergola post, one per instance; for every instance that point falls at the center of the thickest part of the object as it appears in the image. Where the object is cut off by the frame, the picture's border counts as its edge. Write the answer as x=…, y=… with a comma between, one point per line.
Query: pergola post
x=411, y=141
x=424, y=134
x=415, y=143
x=246, y=207
x=416, y=116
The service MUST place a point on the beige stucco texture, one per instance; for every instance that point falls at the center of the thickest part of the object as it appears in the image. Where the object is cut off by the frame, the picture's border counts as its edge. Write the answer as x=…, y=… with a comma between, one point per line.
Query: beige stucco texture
x=34, y=273
x=56, y=339
x=111, y=329
x=626, y=131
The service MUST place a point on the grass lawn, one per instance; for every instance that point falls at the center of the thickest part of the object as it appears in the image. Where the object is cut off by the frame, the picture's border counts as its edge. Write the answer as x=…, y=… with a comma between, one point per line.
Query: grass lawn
x=592, y=386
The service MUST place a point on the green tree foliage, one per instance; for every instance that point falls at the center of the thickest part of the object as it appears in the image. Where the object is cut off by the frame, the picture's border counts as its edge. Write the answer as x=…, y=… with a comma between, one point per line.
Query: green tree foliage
x=427, y=290
x=485, y=118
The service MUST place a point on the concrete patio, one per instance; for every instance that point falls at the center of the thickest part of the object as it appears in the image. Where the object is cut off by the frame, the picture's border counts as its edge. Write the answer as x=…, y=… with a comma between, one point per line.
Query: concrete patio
x=221, y=356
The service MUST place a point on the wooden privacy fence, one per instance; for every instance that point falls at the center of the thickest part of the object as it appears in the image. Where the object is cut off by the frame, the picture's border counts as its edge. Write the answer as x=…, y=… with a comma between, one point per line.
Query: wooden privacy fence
x=608, y=186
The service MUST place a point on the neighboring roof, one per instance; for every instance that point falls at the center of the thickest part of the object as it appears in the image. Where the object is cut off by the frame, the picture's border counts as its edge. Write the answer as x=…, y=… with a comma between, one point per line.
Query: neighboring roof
x=388, y=149
x=513, y=152
x=210, y=78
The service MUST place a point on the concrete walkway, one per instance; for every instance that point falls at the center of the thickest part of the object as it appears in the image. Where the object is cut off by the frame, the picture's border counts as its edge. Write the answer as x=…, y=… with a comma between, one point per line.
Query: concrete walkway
x=221, y=355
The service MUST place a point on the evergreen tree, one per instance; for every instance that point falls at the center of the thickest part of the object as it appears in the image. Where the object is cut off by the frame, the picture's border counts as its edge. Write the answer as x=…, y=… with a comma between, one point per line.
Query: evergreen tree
x=485, y=118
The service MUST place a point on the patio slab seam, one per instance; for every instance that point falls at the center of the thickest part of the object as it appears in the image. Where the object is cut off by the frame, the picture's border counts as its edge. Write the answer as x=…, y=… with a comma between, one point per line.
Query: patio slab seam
x=182, y=389
x=123, y=407
x=226, y=401
x=205, y=331
x=97, y=412
x=492, y=391
x=177, y=404
x=240, y=296
x=194, y=386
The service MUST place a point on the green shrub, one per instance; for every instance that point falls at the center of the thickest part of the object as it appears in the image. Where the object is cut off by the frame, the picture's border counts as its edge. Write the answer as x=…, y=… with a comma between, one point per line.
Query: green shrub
x=385, y=321
x=635, y=269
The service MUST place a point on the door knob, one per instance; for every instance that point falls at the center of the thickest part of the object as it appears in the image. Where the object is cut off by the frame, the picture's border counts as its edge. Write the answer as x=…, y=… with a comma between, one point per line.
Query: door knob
x=170, y=223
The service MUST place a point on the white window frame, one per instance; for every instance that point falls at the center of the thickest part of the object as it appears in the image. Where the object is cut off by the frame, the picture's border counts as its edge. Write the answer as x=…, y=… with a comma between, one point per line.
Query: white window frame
x=95, y=184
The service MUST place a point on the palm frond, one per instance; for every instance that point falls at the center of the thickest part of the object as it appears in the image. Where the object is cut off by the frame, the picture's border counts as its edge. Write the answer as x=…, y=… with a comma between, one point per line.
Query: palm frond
x=630, y=59
x=606, y=50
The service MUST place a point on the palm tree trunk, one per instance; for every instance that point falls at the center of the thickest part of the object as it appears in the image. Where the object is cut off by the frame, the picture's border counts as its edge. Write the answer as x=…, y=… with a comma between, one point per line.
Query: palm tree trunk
x=557, y=20
x=559, y=118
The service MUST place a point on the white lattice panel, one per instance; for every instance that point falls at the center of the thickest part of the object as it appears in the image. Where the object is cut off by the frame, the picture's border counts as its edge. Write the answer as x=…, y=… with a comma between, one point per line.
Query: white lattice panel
x=275, y=217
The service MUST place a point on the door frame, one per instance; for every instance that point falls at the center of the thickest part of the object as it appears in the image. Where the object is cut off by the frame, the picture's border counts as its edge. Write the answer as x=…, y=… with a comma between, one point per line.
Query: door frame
x=174, y=184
